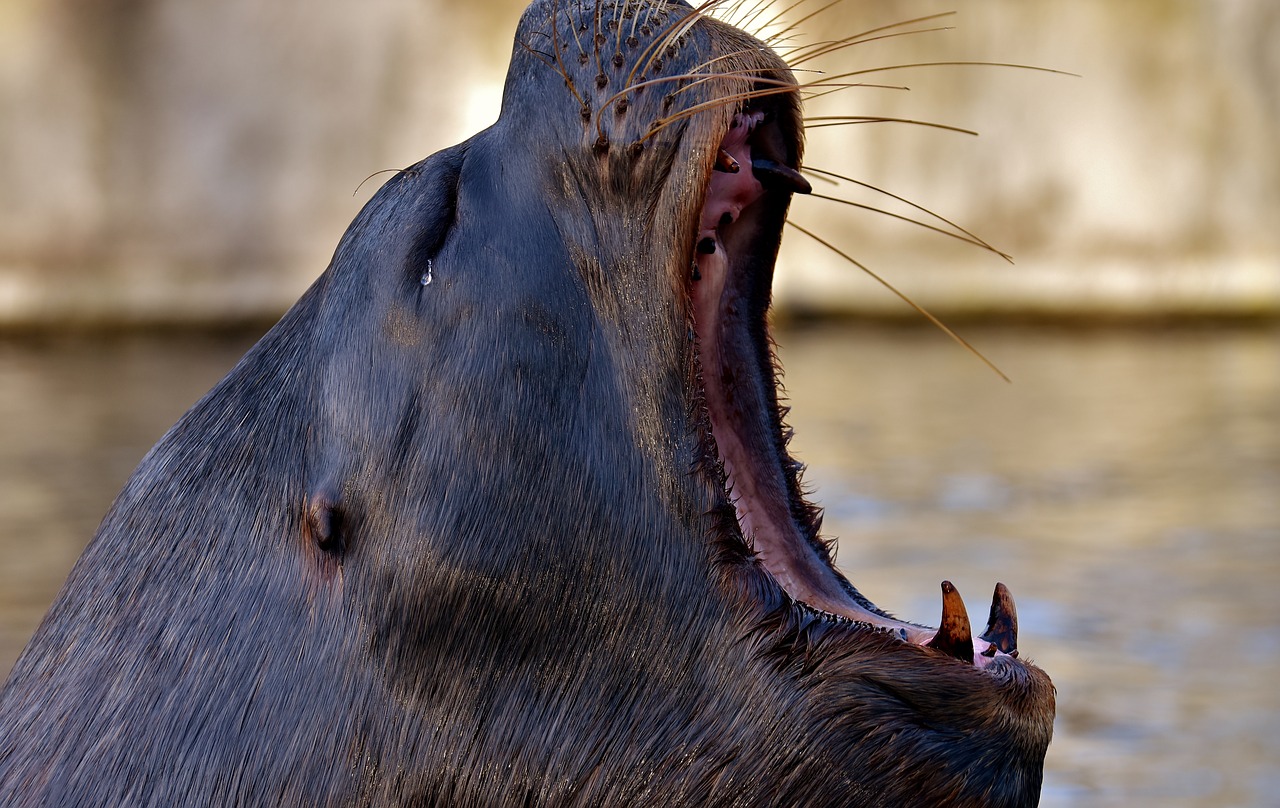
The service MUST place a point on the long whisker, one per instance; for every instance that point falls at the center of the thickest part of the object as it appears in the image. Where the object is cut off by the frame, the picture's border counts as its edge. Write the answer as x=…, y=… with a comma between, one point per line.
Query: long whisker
x=852, y=120
x=819, y=49
x=779, y=41
x=541, y=56
x=374, y=174
x=908, y=65
x=729, y=11
x=774, y=19
x=867, y=35
x=793, y=26
x=698, y=68
x=975, y=242
x=745, y=72
x=832, y=177
x=837, y=87
x=924, y=312
x=760, y=7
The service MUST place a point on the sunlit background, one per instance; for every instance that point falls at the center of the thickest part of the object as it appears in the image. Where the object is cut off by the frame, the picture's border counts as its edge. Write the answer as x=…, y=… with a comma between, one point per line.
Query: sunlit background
x=173, y=175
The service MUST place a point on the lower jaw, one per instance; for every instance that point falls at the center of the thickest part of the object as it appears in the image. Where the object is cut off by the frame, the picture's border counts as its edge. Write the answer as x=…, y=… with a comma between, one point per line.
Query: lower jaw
x=756, y=486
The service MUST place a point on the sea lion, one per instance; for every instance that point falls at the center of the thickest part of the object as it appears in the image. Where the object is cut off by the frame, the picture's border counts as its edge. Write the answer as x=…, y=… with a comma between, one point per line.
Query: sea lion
x=501, y=512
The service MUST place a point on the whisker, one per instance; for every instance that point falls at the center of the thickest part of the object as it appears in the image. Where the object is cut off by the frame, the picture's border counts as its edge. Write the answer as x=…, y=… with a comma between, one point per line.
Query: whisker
x=760, y=7
x=970, y=240
x=824, y=48
x=374, y=174
x=791, y=8
x=727, y=11
x=833, y=177
x=908, y=65
x=793, y=26
x=697, y=78
x=920, y=309
x=779, y=41
x=733, y=55
x=852, y=120
x=902, y=24
x=703, y=78
x=541, y=56
x=837, y=87
x=749, y=71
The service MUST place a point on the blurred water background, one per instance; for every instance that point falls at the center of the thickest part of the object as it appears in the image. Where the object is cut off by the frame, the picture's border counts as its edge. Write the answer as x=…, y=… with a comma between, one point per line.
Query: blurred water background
x=173, y=175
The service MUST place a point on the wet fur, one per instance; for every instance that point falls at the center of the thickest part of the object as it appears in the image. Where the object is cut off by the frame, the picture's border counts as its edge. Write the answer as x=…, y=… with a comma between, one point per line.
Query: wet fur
x=464, y=544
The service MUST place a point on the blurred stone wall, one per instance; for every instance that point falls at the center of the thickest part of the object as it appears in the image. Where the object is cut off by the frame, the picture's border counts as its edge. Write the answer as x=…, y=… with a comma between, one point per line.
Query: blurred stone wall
x=195, y=162
x=1150, y=185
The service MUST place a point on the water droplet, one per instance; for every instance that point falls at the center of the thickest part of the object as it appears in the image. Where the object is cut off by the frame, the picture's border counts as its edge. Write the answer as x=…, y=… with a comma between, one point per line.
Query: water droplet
x=426, y=276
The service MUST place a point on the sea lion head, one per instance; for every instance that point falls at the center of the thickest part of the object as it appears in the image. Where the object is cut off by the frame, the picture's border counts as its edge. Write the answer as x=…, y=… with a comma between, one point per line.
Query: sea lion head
x=580, y=294
x=589, y=448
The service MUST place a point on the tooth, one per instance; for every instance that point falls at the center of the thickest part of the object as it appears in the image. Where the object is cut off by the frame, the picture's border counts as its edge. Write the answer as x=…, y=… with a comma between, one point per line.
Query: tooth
x=954, y=637
x=1002, y=625
x=777, y=175
x=726, y=163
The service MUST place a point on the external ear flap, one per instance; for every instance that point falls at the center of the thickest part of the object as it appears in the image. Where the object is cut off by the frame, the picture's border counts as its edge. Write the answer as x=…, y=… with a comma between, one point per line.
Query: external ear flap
x=436, y=181
x=392, y=240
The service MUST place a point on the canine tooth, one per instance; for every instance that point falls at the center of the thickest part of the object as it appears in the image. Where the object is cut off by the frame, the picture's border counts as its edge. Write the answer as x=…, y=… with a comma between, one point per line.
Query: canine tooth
x=1002, y=625
x=726, y=163
x=954, y=636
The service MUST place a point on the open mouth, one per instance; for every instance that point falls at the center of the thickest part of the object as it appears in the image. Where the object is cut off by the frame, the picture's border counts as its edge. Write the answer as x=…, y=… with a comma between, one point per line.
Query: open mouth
x=732, y=270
